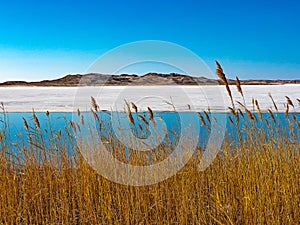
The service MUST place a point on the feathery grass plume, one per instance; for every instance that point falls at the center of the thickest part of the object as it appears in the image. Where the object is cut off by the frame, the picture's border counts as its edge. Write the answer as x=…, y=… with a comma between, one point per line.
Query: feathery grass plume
x=72, y=125
x=235, y=113
x=241, y=113
x=151, y=118
x=202, y=119
x=25, y=123
x=241, y=104
x=207, y=116
x=95, y=106
x=143, y=119
x=272, y=116
x=220, y=73
x=130, y=117
x=47, y=113
x=27, y=128
x=258, y=109
x=274, y=104
x=289, y=101
x=249, y=114
x=267, y=122
x=78, y=112
x=222, y=76
x=286, y=110
x=239, y=87
x=129, y=112
x=298, y=101
x=134, y=107
x=253, y=103
x=189, y=106
x=95, y=115
x=232, y=111
x=35, y=119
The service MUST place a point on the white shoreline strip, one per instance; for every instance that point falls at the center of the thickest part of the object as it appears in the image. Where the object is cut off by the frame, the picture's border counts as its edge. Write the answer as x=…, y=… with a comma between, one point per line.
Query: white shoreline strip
x=61, y=99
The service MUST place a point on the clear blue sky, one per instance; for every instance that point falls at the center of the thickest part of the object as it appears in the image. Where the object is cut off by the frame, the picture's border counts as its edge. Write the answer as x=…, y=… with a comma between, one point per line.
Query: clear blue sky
x=48, y=39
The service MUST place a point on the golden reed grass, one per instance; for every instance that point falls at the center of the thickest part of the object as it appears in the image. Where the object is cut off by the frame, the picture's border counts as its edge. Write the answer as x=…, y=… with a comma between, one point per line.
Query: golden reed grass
x=151, y=117
x=202, y=119
x=253, y=182
x=134, y=107
x=222, y=76
x=274, y=104
x=95, y=106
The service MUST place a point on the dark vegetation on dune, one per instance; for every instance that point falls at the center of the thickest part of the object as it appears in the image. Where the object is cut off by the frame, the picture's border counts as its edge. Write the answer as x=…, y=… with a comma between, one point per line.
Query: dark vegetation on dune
x=94, y=79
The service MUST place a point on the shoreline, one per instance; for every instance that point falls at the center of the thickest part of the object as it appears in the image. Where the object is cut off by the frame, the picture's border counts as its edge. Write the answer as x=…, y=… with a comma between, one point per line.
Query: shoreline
x=150, y=85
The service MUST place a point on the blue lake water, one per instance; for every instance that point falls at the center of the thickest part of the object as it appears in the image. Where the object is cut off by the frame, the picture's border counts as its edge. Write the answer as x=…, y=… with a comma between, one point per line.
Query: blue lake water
x=164, y=128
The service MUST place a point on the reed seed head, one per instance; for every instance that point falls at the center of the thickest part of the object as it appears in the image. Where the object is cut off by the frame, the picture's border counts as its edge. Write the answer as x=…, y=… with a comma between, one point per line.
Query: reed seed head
x=238, y=86
x=95, y=106
x=207, y=116
x=289, y=101
x=143, y=119
x=202, y=119
x=272, y=115
x=95, y=115
x=72, y=125
x=286, y=110
x=150, y=114
x=25, y=123
x=134, y=107
x=241, y=113
x=274, y=104
x=258, y=109
x=35, y=119
x=220, y=73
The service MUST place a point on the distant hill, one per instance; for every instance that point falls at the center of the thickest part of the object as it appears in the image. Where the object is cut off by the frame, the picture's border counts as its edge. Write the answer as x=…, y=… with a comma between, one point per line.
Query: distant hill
x=95, y=79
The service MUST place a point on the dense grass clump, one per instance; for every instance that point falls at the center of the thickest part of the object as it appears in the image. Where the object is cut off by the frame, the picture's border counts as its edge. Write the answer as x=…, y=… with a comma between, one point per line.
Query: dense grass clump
x=255, y=178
